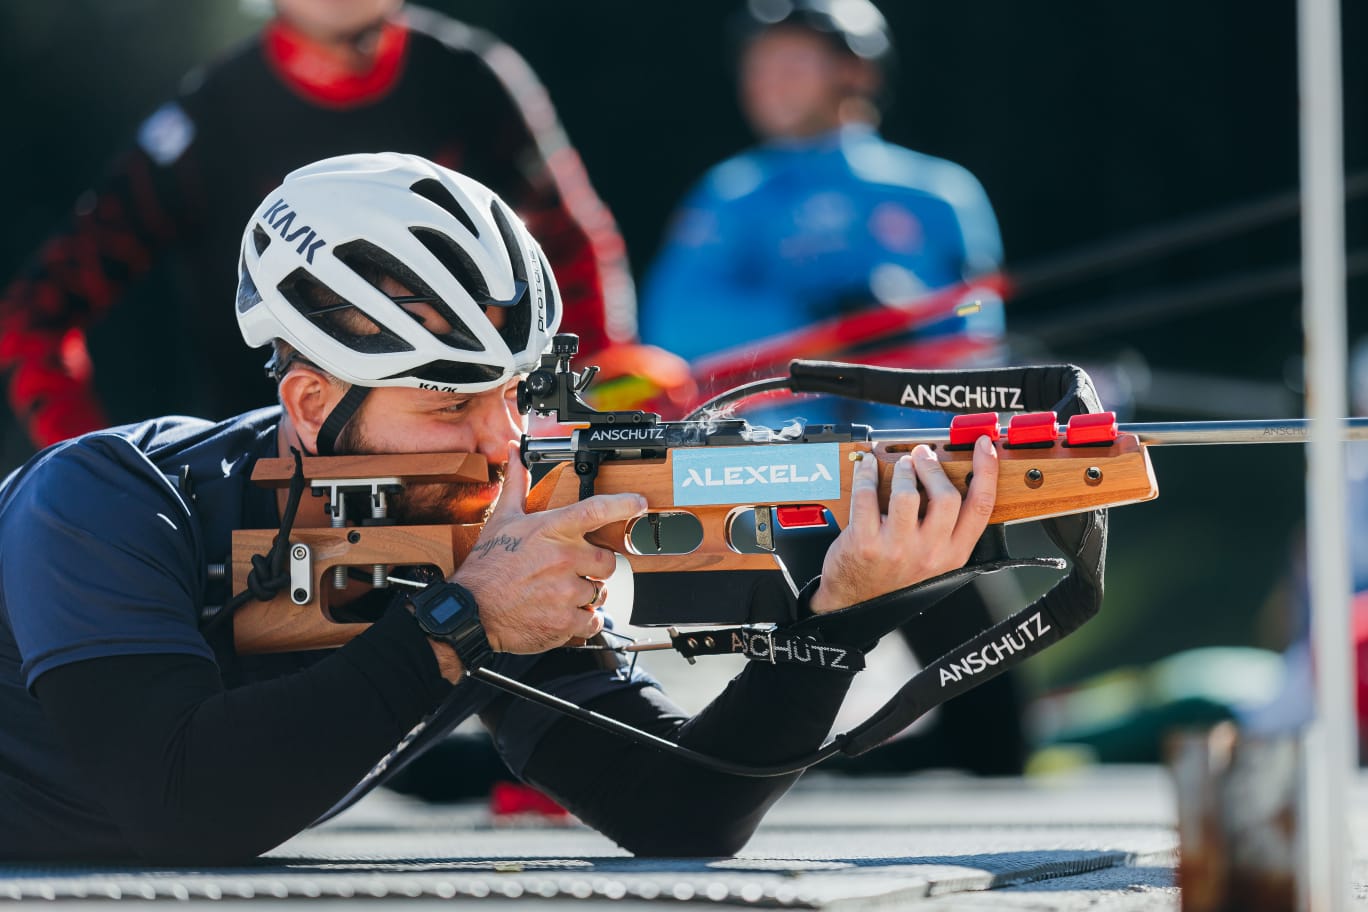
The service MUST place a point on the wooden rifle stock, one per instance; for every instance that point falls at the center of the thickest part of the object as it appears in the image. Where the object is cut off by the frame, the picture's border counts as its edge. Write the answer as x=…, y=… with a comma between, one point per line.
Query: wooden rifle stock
x=300, y=617
x=1042, y=478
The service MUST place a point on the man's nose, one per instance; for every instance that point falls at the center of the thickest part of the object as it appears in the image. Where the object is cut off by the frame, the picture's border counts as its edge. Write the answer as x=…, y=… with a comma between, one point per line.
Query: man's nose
x=497, y=426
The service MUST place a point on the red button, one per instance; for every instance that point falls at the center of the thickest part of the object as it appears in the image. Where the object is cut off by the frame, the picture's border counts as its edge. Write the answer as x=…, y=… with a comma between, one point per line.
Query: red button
x=965, y=429
x=1098, y=427
x=1035, y=427
x=803, y=516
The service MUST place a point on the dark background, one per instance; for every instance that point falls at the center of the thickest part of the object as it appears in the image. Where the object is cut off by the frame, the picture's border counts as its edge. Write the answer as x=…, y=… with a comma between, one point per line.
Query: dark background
x=1087, y=122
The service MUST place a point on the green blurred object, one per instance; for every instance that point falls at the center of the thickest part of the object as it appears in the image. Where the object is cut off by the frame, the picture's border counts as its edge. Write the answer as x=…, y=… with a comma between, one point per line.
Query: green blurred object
x=1123, y=716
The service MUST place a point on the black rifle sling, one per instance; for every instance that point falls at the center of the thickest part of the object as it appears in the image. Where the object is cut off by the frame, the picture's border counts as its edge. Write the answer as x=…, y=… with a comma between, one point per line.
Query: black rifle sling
x=1065, y=389
x=1071, y=602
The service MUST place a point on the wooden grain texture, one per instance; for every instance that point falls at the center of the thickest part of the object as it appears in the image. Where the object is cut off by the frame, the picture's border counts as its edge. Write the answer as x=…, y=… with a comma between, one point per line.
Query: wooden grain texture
x=1124, y=476
x=282, y=626
x=1032, y=484
x=446, y=468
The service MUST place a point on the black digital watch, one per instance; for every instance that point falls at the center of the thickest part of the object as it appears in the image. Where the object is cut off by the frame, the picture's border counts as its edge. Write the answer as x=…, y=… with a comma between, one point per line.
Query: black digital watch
x=448, y=612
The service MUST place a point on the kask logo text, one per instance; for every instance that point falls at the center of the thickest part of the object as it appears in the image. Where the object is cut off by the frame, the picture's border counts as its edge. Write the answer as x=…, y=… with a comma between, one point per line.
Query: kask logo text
x=282, y=218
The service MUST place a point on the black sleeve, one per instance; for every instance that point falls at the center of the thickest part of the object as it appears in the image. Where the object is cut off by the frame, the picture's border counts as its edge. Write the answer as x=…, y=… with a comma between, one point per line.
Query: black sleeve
x=196, y=774
x=652, y=803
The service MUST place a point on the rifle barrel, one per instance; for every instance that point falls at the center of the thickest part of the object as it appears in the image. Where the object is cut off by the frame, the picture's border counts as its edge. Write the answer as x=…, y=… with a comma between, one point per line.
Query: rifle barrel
x=1279, y=430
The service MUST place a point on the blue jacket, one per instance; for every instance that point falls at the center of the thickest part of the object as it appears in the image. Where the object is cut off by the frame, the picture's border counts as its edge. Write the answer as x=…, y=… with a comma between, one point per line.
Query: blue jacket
x=790, y=233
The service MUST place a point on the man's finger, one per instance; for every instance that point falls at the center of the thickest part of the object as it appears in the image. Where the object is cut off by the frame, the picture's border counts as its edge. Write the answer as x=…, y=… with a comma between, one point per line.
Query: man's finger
x=982, y=494
x=942, y=499
x=598, y=563
x=593, y=624
x=904, y=500
x=513, y=497
x=864, y=496
x=596, y=593
x=598, y=511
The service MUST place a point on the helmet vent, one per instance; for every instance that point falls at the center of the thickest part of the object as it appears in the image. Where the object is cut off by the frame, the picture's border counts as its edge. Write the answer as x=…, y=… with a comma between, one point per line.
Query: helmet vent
x=373, y=264
x=433, y=191
x=247, y=294
x=510, y=240
x=338, y=317
x=517, y=323
x=261, y=239
x=456, y=261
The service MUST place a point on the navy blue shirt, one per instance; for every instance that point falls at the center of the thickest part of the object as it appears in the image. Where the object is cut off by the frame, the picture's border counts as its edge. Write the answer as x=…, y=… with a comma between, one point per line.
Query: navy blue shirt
x=102, y=556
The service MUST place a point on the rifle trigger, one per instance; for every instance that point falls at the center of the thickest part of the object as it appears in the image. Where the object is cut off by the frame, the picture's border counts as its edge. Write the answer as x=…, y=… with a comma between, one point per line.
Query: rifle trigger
x=586, y=467
x=654, y=519
x=764, y=528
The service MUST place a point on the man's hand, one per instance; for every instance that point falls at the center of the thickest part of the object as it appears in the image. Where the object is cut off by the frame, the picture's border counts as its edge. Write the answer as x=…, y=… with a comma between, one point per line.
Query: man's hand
x=536, y=579
x=876, y=554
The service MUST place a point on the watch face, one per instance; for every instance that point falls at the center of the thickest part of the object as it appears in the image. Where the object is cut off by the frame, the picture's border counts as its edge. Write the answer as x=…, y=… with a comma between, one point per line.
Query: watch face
x=445, y=610
x=448, y=612
x=442, y=612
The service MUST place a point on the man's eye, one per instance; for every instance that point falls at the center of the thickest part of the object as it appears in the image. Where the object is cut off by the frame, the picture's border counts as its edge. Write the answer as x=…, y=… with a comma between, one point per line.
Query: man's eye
x=457, y=408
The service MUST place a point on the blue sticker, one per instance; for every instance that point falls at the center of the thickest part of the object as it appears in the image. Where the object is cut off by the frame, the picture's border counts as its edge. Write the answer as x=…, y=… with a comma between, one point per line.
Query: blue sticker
x=757, y=474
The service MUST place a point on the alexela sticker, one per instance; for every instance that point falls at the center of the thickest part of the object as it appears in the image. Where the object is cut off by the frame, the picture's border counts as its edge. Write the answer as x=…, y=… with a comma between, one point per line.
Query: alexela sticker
x=757, y=474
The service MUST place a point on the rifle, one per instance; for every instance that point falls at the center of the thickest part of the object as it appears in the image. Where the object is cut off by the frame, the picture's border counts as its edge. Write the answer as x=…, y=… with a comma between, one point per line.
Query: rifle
x=739, y=485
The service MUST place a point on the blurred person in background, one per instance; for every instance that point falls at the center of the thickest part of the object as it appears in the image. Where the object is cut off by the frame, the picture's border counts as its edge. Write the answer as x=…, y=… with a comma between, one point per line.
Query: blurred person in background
x=323, y=77
x=825, y=217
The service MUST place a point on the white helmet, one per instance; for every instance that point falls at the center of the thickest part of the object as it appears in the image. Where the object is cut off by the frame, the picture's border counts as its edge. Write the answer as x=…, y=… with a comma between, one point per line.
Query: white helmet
x=333, y=227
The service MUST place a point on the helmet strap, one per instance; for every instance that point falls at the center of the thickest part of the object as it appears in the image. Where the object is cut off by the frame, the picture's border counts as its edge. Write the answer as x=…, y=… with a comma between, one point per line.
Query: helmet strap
x=337, y=419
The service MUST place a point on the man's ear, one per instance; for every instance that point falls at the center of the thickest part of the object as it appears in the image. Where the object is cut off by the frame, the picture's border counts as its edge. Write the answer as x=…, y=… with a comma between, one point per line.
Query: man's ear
x=308, y=397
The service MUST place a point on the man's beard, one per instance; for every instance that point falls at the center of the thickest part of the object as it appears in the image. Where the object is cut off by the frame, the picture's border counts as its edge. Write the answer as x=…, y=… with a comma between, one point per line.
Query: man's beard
x=426, y=504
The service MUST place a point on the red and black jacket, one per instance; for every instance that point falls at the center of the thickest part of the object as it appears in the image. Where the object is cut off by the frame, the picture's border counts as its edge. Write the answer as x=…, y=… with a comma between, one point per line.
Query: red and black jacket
x=437, y=88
